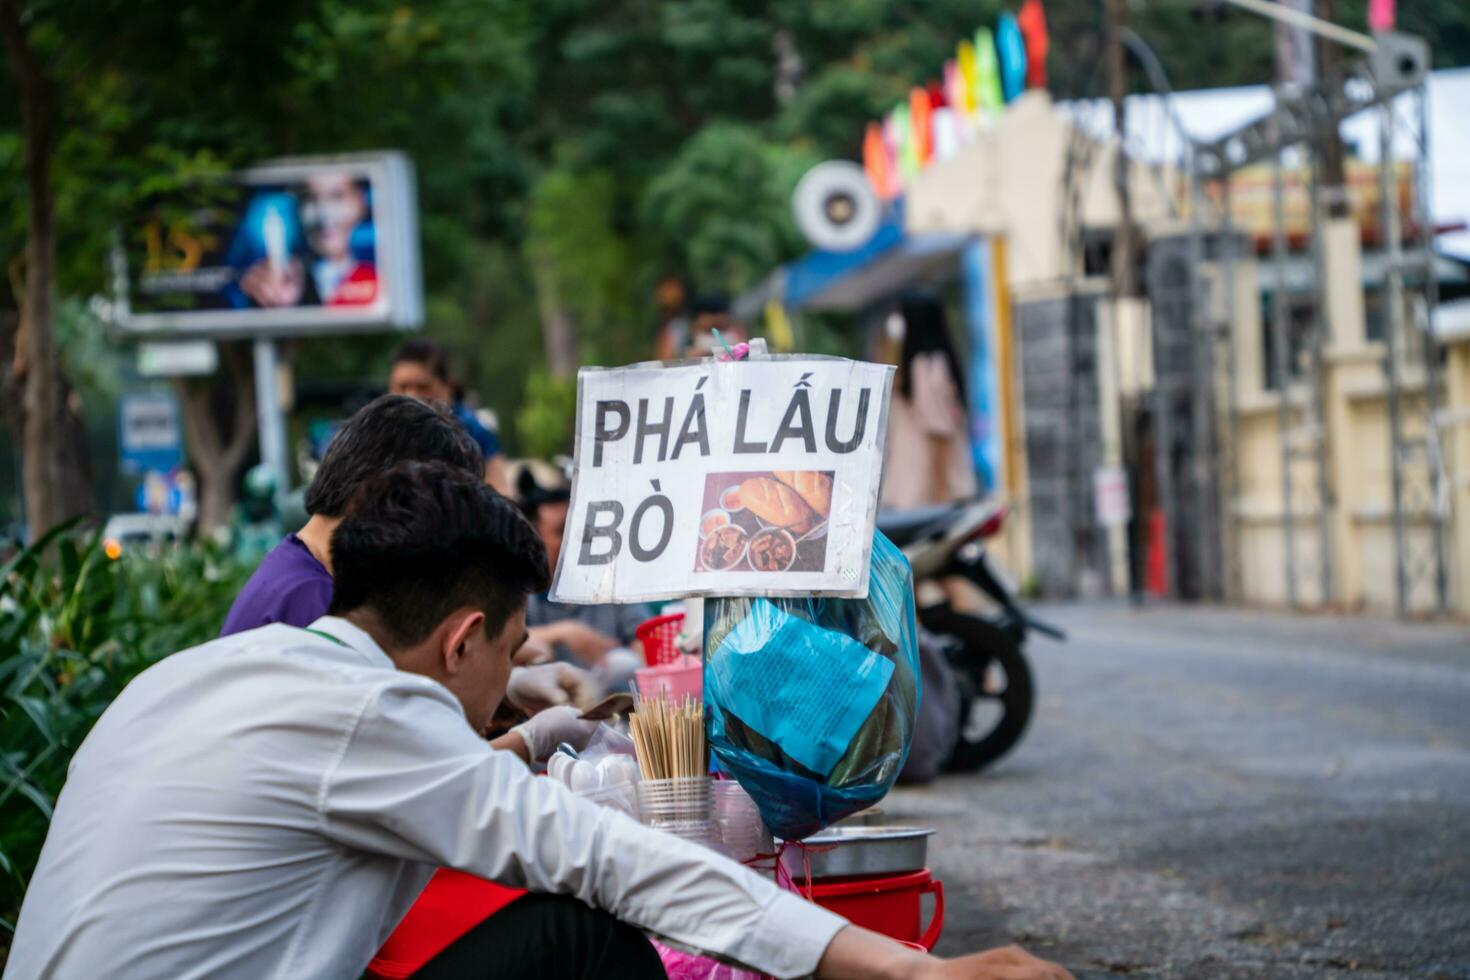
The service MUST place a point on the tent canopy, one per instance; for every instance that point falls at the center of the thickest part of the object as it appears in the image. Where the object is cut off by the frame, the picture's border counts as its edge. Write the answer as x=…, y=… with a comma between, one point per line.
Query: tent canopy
x=848, y=282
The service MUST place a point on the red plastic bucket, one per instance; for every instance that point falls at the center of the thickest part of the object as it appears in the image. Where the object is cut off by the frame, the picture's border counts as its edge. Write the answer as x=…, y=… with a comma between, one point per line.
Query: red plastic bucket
x=658, y=635
x=890, y=904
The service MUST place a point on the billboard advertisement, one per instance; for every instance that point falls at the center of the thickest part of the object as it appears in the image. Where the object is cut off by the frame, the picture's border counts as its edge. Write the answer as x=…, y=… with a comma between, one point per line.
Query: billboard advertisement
x=294, y=247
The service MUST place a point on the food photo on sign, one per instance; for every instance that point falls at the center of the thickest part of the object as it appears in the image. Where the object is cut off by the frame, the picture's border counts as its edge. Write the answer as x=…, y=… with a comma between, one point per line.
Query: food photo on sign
x=772, y=521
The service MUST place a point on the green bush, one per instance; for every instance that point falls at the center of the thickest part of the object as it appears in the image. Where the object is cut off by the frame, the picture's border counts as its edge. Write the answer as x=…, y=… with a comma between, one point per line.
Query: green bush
x=544, y=423
x=75, y=627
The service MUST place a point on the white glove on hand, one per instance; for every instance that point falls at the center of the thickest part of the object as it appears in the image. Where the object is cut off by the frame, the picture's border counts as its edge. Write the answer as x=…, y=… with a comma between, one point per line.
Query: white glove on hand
x=533, y=689
x=548, y=729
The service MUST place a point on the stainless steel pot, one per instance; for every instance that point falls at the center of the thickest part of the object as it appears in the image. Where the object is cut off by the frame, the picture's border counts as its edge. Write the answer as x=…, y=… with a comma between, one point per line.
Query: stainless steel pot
x=859, y=850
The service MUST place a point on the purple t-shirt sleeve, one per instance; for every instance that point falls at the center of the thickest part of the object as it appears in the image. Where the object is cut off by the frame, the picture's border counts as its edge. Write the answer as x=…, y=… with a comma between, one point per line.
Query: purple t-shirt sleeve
x=289, y=587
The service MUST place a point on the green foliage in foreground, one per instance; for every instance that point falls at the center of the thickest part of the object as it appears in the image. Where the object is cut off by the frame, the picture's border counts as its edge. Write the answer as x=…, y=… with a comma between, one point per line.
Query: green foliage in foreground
x=75, y=627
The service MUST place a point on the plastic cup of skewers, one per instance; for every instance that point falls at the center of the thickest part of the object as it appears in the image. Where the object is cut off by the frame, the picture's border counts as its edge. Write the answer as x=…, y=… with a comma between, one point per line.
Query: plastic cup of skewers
x=674, y=795
x=683, y=807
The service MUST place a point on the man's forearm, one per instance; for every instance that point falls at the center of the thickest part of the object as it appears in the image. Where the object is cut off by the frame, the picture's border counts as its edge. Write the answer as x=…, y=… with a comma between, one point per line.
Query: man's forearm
x=856, y=953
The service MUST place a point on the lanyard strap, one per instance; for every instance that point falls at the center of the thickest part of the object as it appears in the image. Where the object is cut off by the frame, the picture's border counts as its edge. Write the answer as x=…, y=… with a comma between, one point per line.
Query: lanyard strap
x=324, y=635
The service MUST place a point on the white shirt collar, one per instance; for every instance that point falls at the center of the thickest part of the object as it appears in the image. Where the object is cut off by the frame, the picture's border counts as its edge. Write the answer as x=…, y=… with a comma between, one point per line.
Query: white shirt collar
x=354, y=638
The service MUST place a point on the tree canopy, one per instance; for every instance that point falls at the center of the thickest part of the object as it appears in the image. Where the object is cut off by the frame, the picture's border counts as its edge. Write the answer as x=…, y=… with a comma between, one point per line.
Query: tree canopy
x=570, y=153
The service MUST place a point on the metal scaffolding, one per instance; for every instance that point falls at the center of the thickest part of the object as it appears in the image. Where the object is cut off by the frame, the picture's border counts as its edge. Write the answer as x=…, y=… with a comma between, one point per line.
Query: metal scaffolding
x=1419, y=497
x=1419, y=486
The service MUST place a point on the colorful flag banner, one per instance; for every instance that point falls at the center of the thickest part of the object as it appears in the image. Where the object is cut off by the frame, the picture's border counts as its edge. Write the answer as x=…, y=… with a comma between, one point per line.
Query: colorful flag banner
x=1032, y=21
x=946, y=133
x=908, y=156
x=877, y=163
x=919, y=126
x=1381, y=15
x=893, y=139
x=965, y=58
x=1012, y=53
x=987, y=73
x=939, y=118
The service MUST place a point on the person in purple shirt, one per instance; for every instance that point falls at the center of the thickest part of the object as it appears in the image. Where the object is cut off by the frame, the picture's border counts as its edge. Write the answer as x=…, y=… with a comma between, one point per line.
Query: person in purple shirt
x=293, y=583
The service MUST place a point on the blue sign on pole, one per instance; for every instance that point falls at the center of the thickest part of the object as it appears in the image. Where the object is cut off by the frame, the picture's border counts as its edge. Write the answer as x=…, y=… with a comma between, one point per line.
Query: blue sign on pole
x=150, y=433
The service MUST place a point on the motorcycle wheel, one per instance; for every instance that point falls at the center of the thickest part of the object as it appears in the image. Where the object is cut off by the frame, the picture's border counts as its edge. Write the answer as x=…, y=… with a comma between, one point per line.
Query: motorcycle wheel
x=997, y=693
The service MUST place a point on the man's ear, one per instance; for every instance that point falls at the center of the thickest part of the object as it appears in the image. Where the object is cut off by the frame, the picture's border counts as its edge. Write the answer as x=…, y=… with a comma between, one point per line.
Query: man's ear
x=462, y=625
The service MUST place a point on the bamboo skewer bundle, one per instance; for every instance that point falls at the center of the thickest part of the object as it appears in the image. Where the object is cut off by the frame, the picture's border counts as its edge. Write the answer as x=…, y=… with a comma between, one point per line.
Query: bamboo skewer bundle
x=668, y=738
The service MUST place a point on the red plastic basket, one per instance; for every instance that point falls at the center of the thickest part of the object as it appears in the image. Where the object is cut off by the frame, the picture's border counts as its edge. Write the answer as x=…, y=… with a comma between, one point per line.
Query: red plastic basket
x=658, y=635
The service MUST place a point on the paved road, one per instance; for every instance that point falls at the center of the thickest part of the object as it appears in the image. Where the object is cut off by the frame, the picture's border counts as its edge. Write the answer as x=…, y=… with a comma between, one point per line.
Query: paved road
x=1223, y=794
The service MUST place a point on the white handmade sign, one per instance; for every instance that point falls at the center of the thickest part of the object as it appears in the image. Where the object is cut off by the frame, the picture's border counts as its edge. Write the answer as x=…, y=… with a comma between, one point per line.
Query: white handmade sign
x=724, y=478
x=1110, y=496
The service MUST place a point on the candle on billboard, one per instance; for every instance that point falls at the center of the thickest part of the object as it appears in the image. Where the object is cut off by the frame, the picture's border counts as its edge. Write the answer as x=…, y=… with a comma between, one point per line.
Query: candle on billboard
x=273, y=233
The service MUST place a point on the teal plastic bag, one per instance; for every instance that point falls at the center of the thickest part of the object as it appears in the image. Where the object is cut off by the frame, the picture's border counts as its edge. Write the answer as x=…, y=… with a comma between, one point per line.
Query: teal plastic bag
x=811, y=703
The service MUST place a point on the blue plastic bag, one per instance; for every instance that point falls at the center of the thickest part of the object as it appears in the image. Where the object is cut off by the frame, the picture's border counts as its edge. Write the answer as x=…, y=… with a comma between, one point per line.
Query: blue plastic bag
x=811, y=703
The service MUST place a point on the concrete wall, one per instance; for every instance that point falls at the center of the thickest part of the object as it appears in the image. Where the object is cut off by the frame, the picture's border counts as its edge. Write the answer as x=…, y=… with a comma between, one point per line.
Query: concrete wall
x=1008, y=183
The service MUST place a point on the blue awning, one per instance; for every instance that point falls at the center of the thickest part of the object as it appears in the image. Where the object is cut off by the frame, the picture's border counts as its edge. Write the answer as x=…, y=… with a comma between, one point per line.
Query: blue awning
x=851, y=281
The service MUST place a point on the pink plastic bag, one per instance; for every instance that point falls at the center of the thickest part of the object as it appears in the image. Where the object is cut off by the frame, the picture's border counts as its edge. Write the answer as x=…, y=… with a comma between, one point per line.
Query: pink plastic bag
x=687, y=966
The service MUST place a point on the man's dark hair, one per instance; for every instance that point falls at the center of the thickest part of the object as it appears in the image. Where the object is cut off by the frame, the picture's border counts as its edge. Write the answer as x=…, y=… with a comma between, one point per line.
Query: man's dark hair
x=423, y=540
x=431, y=355
x=532, y=495
x=390, y=430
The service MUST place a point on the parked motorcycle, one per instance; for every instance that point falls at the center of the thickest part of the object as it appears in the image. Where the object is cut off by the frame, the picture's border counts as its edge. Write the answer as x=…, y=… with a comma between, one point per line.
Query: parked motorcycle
x=996, y=689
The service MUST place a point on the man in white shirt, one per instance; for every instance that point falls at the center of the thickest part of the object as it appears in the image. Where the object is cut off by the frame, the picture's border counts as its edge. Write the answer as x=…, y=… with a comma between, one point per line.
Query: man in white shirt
x=267, y=805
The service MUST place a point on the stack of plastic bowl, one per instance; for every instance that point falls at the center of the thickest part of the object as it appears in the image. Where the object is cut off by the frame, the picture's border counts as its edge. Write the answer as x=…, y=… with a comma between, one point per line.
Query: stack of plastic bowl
x=609, y=781
x=743, y=835
x=682, y=807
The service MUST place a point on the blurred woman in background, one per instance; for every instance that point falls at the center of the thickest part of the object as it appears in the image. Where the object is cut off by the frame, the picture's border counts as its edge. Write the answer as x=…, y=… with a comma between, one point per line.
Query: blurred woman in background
x=929, y=460
x=420, y=369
